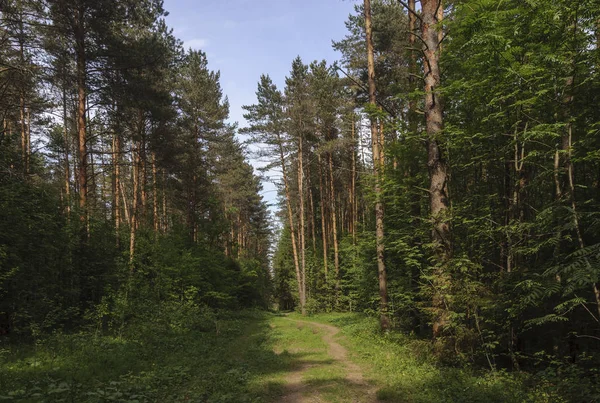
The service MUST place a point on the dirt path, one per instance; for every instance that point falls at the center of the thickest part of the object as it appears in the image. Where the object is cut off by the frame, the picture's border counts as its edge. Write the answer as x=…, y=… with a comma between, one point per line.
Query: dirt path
x=298, y=391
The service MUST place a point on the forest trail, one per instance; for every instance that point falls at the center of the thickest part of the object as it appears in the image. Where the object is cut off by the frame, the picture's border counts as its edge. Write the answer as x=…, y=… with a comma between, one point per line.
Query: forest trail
x=333, y=379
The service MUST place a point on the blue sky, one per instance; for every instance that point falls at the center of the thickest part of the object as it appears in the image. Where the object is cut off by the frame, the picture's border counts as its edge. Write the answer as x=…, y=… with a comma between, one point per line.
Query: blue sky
x=246, y=38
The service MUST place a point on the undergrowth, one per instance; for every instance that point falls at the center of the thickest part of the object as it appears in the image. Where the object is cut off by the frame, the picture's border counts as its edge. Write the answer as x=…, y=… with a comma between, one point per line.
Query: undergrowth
x=162, y=360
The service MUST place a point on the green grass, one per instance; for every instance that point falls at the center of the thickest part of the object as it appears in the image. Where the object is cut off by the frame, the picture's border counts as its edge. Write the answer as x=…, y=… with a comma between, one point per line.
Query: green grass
x=322, y=375
x=404, y=370
x=247, y=357
x=236, y=365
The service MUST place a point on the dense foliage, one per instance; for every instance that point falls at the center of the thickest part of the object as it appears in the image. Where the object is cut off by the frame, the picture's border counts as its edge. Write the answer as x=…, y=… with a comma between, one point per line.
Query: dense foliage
x=123, y=191
x=487, y=115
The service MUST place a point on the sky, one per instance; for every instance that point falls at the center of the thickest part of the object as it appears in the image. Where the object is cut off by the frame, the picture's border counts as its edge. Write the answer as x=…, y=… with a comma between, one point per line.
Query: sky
x=246, y=38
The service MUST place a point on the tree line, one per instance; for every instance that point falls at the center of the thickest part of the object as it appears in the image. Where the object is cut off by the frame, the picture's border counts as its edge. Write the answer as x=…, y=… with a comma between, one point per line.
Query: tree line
x=123, y=186
x=444, y=175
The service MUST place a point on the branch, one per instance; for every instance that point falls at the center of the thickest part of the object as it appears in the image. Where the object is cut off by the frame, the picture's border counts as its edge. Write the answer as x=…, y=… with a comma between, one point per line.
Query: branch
x=364, y=89
x=438, y=9
x=590, y=337
x=411, y=10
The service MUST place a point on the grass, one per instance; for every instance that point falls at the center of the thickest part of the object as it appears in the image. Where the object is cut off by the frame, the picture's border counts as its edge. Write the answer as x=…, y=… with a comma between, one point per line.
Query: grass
x=404, y=371
x=246, y=357
x=237, y=364
x=321, y=374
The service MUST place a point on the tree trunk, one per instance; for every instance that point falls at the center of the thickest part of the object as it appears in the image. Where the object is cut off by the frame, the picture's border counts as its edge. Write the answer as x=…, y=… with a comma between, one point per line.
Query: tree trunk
x=134, y=205
x=155, y=220
x=301, y=197
x=81, y=116
x=28, y=142
x=312, y=217
x=323, y=224
x=92, y=176
x=288, y=199
x=412, y=65
x=143, y=179
x=116, y=188
x=438, y=170
x=66, y=145
x=336, y=253
x=377, y=166
x=24, y=131
x=164, y=203
x=354, y=215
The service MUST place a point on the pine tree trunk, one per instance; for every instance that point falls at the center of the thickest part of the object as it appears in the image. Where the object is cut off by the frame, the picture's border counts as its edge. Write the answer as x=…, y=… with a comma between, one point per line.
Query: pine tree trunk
x=92, y=177
x=165, y=226
x=66, y=145
x=377, y=167
x=312, y=217
x=23, y=132
x=438, y=170
x=81, y=116
x=25, y=156
x=125, y=203
x=116, y=150
x=354, y=215
x=323, y=223
x=134, y=204
x=288, y=199
x=336, y=252
x=302, y=218
x=412, y=65
x=155, y=220
x=28, y=142
x=143, y=179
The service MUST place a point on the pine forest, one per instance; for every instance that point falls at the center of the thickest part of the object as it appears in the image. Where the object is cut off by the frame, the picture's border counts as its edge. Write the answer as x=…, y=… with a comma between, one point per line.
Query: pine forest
x=433, y=232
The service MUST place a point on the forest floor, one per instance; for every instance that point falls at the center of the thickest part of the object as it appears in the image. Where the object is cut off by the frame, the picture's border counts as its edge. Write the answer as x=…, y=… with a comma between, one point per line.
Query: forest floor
x=247, y=357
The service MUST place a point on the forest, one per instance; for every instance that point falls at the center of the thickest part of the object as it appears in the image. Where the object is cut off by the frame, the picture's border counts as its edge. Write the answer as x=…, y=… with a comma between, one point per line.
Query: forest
x=436, y=236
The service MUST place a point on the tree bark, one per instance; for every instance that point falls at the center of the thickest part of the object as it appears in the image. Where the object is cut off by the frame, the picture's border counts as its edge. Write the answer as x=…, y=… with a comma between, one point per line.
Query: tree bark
x=412, y=65
x=165, y=224
x=323, y=223
x=336, y=253
x=312, y=216
x=24, y=131
x=143, y=179
x=134, y=205
x=302, y=223
x=354, y=215
x=292, y=227
x=377, y=166
x=80, y=52
x=66, y=145
x=438, y=170
x=116, y=153
x=155, y=220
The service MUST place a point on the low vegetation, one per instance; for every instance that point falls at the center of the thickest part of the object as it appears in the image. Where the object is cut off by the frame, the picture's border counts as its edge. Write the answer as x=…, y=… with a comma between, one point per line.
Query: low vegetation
x=254, y=356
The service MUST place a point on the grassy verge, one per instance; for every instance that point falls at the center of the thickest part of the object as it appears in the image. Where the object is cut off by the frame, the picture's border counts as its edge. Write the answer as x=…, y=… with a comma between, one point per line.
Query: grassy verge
x=403, y=370
x=232, y=362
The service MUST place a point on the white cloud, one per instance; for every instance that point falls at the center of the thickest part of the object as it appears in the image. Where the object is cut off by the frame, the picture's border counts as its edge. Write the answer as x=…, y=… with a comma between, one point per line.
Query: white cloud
x=196, y=44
